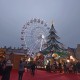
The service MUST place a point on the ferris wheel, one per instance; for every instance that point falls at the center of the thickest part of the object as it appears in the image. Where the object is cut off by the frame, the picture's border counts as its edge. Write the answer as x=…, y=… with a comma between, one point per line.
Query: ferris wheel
x=33, y=35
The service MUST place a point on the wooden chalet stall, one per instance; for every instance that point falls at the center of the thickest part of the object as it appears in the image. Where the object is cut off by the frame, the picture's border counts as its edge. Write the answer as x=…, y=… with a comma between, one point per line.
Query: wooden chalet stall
x=15, y=58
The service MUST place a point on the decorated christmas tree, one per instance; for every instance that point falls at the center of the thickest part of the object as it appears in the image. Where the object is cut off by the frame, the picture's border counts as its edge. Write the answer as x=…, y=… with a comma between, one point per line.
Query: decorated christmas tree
x=53, y=45
x=52, y=41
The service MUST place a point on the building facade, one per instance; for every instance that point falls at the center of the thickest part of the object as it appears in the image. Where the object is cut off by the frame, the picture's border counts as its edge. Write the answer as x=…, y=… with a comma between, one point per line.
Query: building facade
x=78, y=52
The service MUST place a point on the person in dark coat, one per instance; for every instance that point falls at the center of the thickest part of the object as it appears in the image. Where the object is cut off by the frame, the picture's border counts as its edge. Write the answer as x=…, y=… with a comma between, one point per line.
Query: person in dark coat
x=1, y=69
x=33, y=67
x=60, y=67
x=48, y=67
x=78, y=66
x=7, y=70
x=65, y=67
x=74, y=68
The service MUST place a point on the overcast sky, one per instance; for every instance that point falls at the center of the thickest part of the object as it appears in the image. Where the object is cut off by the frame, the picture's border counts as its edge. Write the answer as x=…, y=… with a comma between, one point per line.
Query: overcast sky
x=64, y=13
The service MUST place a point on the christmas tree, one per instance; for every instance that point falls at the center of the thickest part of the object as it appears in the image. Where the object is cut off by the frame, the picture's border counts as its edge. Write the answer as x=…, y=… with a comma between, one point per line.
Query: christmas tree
x=52, y=41
x=53, y=45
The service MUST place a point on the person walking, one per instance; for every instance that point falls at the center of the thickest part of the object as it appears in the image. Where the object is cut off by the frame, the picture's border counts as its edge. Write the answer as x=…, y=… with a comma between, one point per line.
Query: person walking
x=65, y=67
x=21, y=70
x=60, y=67
x=48, y=67
x=33, y=67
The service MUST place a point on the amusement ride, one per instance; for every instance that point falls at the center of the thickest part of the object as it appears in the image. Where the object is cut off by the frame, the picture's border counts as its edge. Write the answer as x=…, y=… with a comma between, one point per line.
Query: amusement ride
x=33, y=35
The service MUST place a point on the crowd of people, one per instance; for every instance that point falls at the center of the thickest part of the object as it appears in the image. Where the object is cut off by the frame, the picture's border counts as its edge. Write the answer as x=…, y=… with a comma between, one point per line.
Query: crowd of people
x=5, y=69
x=66, y=67
x=30, y=66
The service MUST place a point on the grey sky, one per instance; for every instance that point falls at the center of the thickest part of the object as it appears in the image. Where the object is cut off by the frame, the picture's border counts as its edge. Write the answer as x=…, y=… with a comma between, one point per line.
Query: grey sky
x=64, y=13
